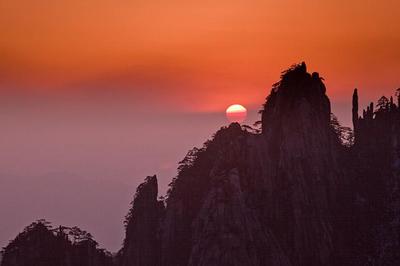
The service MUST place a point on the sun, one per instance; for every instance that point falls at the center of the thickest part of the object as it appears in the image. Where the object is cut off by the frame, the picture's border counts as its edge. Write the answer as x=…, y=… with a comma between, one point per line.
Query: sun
x=236, y=113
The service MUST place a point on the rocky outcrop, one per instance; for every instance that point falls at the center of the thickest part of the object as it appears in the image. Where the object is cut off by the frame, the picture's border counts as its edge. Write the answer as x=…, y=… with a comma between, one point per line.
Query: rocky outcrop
x=375, y=175
x=186, y=197
x=303, y=166
x=261, y=199
x=227, y=232
x=142, y=240
x=292, y=195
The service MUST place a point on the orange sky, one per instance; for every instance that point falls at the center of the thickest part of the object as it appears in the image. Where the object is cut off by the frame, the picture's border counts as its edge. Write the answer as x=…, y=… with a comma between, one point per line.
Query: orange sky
x=197, y=55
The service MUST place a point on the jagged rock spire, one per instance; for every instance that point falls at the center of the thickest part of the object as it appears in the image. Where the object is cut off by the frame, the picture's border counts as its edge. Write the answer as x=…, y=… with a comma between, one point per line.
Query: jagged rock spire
x=355, y=109
x=296, y=89
x=142, y=243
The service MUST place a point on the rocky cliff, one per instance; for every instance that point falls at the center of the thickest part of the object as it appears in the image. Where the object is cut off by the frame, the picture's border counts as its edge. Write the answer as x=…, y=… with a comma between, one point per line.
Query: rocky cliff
x=375, y=175
x=292, y=195
x=142, y=244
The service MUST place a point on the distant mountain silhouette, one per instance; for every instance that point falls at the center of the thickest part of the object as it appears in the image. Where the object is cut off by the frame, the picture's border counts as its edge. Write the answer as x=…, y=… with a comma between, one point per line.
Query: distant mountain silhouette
x=41, y=245
x=301, y=190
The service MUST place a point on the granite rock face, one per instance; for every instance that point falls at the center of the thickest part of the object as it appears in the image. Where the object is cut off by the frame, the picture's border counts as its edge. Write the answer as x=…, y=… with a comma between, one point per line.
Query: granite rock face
x=142, y=242
x=303, y=167
x=294, y=194
x=375, y=176
x=260, y=199
x=228, y=232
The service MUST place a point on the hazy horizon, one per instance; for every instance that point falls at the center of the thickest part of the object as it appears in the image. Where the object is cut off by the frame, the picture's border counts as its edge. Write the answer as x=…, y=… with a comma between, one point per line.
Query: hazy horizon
x=86, y=166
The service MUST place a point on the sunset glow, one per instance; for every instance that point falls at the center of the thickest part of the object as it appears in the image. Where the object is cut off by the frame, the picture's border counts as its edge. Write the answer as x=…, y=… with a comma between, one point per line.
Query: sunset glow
x=220, y=50
x=236, y=113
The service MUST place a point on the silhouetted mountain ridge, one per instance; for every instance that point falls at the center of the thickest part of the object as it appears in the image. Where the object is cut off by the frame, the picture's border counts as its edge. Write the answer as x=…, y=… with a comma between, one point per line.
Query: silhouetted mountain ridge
x=302, y=191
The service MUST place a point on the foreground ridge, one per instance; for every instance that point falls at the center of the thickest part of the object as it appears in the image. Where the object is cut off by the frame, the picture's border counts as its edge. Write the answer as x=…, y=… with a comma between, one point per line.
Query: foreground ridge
x=41, y=244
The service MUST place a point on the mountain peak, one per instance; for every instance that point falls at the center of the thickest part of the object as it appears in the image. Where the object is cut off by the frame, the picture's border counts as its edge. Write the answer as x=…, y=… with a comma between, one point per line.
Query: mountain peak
x=298, y=82
x=296, y=94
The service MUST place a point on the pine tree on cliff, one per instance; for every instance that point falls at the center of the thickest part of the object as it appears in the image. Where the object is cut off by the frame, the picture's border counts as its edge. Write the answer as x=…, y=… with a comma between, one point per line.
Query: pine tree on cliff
x=344, y=134
x=41, y=245
x=383, y=104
